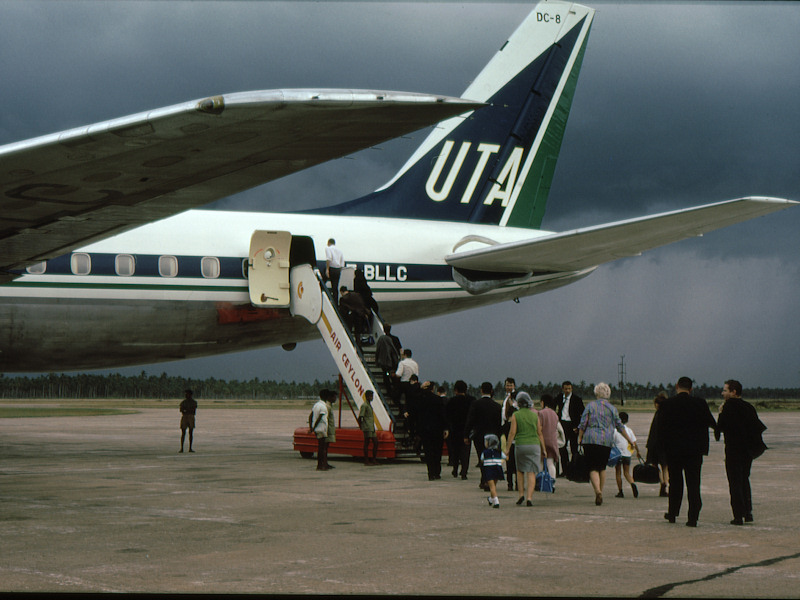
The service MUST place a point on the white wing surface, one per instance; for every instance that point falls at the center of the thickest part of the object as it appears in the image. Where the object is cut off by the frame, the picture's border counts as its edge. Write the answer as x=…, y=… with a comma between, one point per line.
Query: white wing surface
x=592, y=246
x=64, y=190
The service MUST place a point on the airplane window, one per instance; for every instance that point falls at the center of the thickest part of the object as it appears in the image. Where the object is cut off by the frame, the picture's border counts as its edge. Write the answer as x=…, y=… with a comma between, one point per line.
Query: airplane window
x=210, y=267
x=81, y=263
x=167, y=266
x=124, y=264
x=37, y=269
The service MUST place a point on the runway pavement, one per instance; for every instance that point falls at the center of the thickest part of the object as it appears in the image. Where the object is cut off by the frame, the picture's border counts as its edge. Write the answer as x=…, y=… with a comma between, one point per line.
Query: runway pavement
x=106, y=504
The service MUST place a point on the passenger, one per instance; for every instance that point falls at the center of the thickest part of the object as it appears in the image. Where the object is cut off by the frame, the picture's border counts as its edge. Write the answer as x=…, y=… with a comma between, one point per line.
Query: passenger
x=492, y=460
x=366, y=421
x=624, y=463
x=188, y=408
x=413, y=394
x=318, y=425
x=483, y=419
x=355, y=312
x=456, y=411
x=330, y=437
x=655, y=449
x=739, y=421
x=432, y=428
x=361, y=287
x=387, y=357
x=683, y=424
x=508, y=408
x=550, y=425
x=387, y=329
x=334, y=263
x=596, y=434
x=526, y=431
x=569, y=408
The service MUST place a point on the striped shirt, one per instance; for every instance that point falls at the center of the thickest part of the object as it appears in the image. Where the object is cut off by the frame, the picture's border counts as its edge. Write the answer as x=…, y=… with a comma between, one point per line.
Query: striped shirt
x=598, y=422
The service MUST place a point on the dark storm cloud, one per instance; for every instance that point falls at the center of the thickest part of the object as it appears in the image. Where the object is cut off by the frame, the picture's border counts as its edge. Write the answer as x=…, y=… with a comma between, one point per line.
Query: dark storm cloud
x=677, y=105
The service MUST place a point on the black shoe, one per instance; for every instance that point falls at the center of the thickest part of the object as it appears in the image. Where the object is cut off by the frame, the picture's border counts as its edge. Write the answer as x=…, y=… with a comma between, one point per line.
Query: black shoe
x=635, y=490
x=737, y=522
x=464, y=477
x=521, y=500
x=528, y=503
x=691, y=523
x=620, y=494
x=669, y=517
x=455, y=472
x=748, y=518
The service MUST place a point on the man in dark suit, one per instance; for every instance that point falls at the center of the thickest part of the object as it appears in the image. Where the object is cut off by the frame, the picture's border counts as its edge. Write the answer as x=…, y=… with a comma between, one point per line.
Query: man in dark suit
x=684, y=421
x=483, y=418
x=432, y=427
x=569, y=408
x=739, y=421
x=456, y=411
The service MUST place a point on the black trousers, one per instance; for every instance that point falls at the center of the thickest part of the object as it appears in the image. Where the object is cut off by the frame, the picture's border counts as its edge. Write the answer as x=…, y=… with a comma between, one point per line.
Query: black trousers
x=565, y=457
x=432, y=447
x=511, y=468
x=322, y=452
x=334, y=279
x=479, y=448
x=688, y=468
x=737, y=468
x=459, y=454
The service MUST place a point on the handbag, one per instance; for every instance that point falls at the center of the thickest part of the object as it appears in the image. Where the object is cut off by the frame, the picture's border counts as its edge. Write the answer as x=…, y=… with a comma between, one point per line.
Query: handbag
x=645, y=473
x=544, y=482
x=614, y=456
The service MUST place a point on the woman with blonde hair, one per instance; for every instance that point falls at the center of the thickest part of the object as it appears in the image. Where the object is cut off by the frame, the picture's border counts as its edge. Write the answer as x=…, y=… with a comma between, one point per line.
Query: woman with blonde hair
x=596, y=436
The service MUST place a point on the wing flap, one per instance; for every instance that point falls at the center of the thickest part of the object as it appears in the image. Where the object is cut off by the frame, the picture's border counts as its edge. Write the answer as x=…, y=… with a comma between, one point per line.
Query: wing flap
x=592, y=246
x=62, y=190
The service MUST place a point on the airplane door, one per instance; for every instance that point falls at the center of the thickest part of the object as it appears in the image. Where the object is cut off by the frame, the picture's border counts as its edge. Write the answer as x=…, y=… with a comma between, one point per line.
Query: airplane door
x=268, y=268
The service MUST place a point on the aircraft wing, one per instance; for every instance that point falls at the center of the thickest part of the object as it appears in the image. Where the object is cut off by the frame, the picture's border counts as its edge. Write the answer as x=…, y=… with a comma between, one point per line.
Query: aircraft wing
x=592, y=246
x=64, y=190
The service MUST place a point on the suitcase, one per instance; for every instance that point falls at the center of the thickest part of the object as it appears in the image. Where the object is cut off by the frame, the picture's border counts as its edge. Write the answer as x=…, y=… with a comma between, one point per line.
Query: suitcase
x=645, y=473
x=578, y=471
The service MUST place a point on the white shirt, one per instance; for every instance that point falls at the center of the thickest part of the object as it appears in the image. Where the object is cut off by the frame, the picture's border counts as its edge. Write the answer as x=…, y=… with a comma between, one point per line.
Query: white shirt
x=334, y=257
x=406, y=368
x=625, y=449
x=565, y=410
x=319, y=416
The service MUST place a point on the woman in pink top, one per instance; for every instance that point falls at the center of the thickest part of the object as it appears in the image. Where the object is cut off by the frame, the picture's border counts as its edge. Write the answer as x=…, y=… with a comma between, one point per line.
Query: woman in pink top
x=549, y=419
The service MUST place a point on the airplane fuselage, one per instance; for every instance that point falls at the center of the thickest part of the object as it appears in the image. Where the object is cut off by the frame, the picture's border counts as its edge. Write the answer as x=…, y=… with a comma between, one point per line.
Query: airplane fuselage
x=178, y=288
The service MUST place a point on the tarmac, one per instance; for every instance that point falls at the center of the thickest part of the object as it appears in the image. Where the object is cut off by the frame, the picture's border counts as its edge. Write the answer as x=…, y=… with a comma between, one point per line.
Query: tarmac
x=107, y=504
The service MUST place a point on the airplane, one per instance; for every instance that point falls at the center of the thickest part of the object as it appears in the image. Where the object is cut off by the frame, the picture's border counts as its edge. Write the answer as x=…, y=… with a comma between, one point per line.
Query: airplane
x=106, y=261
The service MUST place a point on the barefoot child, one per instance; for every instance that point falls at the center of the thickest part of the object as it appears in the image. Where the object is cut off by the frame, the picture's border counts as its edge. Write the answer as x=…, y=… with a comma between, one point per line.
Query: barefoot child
x=492, y=459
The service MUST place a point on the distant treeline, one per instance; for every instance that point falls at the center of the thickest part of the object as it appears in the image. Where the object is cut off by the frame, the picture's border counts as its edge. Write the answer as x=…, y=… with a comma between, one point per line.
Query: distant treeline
x=143, y=386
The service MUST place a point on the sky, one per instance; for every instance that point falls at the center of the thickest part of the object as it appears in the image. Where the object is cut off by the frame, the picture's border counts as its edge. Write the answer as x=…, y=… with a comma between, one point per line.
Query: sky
x=678, y=104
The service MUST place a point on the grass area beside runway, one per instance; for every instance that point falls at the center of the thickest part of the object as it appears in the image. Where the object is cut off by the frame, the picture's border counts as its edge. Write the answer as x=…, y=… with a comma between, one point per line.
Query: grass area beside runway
x=19, y=412
x=18, y=408
x=74, y=407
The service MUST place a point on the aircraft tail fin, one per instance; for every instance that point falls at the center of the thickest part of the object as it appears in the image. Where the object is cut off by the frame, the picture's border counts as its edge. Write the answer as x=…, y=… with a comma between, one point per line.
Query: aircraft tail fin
x=495, y=165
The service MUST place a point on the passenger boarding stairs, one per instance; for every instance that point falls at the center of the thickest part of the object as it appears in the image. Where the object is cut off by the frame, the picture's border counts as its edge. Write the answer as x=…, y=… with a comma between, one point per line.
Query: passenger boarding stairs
x=355, y=358
x=277, y=281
